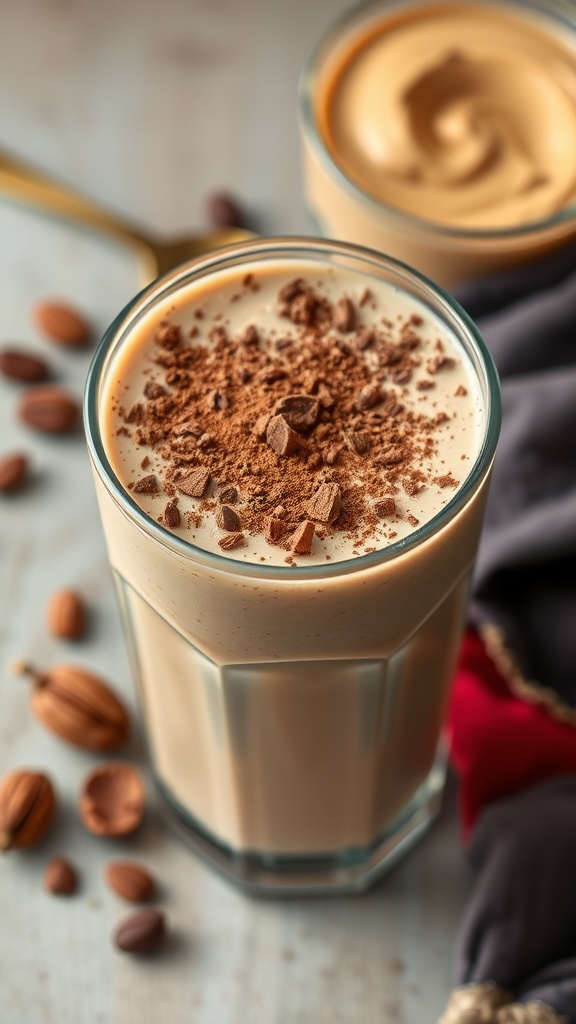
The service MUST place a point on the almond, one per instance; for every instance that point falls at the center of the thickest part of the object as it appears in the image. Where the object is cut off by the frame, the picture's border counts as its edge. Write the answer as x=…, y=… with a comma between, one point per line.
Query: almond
x=49, y=409
x=140, y=932
x=66, y=615
x=13, y=471
x=62, y=323
x=129, y=880
x=19, y=365
x=27, y=805
x=78, y=706
x=112, y=799
x=60, y=877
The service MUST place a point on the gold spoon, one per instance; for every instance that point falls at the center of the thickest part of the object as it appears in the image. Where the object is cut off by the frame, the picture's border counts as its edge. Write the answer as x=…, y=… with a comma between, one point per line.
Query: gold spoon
x=33, y=188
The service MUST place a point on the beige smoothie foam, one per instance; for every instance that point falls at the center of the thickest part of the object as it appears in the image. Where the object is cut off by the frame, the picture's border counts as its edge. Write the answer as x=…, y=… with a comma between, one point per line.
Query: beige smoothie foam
x=291, y=420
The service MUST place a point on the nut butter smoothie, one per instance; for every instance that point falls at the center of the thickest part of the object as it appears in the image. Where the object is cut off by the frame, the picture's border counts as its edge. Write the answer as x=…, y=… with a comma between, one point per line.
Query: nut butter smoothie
x=445, y=133
x=293, y=441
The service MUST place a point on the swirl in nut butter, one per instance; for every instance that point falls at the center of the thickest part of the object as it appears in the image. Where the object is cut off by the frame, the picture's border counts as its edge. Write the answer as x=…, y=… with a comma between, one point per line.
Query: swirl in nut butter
x=463, y=115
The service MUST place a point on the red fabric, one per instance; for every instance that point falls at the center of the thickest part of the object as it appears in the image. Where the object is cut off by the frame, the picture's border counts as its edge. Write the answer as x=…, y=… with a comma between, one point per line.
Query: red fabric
x=498, y=743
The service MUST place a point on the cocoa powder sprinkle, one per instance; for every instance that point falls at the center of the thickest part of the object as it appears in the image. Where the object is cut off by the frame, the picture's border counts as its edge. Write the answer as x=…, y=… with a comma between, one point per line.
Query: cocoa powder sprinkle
x=298, y=418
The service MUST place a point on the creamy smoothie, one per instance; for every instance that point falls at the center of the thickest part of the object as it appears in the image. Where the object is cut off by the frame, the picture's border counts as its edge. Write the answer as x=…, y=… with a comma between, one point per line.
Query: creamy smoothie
x=298, y=440
x=445, y=133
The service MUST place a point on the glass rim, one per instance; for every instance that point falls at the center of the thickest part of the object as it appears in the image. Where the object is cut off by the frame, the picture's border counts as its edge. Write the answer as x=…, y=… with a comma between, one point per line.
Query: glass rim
x=307, y=79
x=282, y=247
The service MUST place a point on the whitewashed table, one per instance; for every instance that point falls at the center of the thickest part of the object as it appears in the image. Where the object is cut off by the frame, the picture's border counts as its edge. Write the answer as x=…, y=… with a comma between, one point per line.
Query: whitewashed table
x=148, y=107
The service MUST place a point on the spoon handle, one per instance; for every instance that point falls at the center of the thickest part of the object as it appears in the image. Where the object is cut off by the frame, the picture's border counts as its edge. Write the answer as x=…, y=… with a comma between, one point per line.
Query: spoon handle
x=30, y=187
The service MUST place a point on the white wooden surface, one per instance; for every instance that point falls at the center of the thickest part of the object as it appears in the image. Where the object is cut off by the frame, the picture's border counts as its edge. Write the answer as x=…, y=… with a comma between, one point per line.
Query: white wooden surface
x=148, y=106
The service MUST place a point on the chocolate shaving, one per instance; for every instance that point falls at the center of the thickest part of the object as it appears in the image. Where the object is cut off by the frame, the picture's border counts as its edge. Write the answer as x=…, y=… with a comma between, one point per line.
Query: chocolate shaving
x=231, y=540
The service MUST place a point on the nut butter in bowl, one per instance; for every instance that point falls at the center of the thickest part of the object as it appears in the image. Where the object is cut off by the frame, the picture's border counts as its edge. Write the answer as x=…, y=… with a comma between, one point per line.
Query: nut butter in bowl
x=445, y=133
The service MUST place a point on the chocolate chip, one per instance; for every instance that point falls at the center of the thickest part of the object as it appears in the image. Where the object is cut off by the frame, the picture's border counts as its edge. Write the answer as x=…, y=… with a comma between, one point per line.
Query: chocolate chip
x=249, y=336
x=195, y=482
x=292, y=289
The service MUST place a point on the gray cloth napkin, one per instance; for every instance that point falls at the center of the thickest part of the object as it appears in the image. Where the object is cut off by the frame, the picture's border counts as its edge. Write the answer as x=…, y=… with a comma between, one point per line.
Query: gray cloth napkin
x=519, y=930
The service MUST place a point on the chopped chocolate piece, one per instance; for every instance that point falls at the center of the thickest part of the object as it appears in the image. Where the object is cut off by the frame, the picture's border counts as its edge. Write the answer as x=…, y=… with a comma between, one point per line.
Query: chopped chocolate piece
x=389, y=355
x=195, y=482
x=359, y=441
x=274, y=530
x=281, y=438
x=325, y=505
x=292, y=289
x=439, y=363
x=301, y=541
x=135, y=414
x=228, y=519
x=385, y=507
x=171, y=516
x=390, y=457
x=229, y=495
x=145, y=462
x=153, y=390
x=365, y=338
x=168, y=336
x=301, y=412
x=460, y=390
x=344, y=315
x=368, y=396
x=282, y=343
x=413, y=521
x=249, y=336
x=364, y=297
x=425, y=384
x=147, y=485
x=303, y=309
x=231, y=540
x=402, y=375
